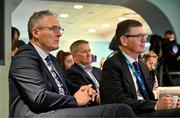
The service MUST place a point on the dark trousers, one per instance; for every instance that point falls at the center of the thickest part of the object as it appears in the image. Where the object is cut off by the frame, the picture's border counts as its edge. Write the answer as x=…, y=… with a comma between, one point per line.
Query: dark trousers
x=162, y=113
x=101, y=111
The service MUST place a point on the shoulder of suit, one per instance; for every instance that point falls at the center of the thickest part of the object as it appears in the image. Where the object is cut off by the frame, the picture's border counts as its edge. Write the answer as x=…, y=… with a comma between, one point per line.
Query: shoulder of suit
x=96, y=68
x=116, y=57
x=27, y=50
x=73, y=68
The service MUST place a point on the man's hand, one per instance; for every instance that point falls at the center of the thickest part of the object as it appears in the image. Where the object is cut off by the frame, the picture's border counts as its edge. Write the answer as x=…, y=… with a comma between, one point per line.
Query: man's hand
x=165, y=102
x=178, y=102
x=82, y=95
x=98, y=98
x=95, y=97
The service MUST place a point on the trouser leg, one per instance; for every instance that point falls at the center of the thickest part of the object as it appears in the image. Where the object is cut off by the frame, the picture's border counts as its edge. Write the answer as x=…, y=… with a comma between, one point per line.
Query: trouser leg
x=101, y=111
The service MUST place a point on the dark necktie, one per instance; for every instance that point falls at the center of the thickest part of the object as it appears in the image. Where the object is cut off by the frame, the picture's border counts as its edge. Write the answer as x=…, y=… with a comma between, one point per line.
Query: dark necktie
x=55, y=75
x=140, y=80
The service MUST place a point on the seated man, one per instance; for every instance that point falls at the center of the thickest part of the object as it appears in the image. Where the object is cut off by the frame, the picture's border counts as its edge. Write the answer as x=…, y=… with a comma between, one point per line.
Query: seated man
x=37, y=87
x=124, y=78
x=82, y=73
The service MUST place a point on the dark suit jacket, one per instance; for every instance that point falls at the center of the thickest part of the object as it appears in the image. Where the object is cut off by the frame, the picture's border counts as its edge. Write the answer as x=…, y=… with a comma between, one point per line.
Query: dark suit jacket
x=77, y=77
x=32, y=88
x=117, y=86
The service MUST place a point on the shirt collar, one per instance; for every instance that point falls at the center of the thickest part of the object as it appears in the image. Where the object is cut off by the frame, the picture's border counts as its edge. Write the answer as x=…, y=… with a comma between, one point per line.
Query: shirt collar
x=88, y=67
x=41, y=52
x=130, y=59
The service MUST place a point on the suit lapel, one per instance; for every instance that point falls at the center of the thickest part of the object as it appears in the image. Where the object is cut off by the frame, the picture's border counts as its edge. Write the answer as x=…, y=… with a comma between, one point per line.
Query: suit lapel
x=145, y=73
x=59, y=72
x=84, y=74
x=128, y=75
x=95, y=73
x=50, y=77
x=47, y=74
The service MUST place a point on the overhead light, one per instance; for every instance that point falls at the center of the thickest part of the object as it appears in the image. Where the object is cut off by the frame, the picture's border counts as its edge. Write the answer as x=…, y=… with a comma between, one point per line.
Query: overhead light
x=78, y=6
x=64, y=15
x=92, y=30
x=121, y=19
x=105, y=25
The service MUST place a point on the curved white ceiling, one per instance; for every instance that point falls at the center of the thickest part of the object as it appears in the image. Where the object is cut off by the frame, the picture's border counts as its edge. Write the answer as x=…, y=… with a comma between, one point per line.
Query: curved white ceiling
x=101, y=19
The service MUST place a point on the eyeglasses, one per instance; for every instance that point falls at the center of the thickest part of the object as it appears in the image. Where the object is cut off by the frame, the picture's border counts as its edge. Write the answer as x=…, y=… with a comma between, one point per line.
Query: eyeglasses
x=55, y=29
x=140, y=37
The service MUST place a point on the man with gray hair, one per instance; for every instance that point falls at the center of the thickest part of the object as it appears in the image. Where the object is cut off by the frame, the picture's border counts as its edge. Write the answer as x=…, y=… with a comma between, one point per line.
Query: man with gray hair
x=37, y=87
x=82, y=73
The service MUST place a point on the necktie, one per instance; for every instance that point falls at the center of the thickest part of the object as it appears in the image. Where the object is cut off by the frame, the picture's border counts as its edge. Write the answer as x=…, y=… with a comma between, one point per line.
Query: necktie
x=56, y=77
x=139, y=79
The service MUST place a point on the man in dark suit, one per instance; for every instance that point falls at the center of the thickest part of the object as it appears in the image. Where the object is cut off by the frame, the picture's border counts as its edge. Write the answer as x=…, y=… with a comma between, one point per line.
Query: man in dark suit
x=82, y=73
x=123, y=82
x=37, y=87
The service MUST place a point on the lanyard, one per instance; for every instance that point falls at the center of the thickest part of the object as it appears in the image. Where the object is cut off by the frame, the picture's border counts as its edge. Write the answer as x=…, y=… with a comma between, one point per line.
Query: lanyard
x=141, y=82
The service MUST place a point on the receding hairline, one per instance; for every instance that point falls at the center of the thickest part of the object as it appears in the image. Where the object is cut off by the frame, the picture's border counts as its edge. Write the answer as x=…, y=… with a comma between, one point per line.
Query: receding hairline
x=150, y=54
x=75, y=45
x=36, y=17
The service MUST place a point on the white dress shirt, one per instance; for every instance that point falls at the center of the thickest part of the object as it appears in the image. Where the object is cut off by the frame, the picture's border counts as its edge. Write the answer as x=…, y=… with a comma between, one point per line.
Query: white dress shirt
x=131, y=60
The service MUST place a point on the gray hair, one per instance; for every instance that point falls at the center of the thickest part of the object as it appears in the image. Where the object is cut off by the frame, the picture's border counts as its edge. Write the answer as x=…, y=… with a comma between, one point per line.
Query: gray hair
x=34, y=20
x=75, y=45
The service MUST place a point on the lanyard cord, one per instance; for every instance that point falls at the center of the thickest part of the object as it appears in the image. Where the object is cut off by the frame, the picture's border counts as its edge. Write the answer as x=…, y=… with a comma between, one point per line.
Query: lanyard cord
x=141, y=82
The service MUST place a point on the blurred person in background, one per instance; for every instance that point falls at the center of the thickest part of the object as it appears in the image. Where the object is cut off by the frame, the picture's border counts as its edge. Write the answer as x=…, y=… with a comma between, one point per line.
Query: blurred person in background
x=155, y=44
x=16, y=45
x=64, y=59
x=150, y=59
x=15, y=34
x=113, y=45
x=170, y=60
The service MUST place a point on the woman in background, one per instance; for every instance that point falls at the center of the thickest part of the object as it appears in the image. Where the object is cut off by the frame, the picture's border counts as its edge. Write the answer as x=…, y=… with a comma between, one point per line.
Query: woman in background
x=65, y=59
x=16, y=44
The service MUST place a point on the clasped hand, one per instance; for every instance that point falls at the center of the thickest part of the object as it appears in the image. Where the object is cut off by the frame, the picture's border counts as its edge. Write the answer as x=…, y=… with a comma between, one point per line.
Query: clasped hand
x=85, y=95
x=167, y=102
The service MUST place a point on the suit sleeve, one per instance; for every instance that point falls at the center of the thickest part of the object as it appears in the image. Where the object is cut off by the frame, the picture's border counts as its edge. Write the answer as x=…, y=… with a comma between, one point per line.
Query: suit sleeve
x=26, y=72
x=114, y=88
x=74, y=80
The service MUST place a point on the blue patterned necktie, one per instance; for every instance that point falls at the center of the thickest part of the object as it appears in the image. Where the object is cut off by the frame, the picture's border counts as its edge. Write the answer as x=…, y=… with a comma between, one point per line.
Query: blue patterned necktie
x=139, y=79
x=56, y=77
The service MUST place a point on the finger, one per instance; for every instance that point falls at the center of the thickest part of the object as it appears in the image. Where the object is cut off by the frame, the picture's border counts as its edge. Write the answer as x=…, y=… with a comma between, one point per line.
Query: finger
x=178, y=106
x=91, y=91
x=85, y=87
x=93, y=97
x=82, y=88
x=169, y=96
x=88, y=86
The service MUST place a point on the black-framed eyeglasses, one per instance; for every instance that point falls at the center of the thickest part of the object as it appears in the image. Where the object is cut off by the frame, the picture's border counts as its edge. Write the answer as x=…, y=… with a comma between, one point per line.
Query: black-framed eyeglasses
x=55, y=29
x=140, y=37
